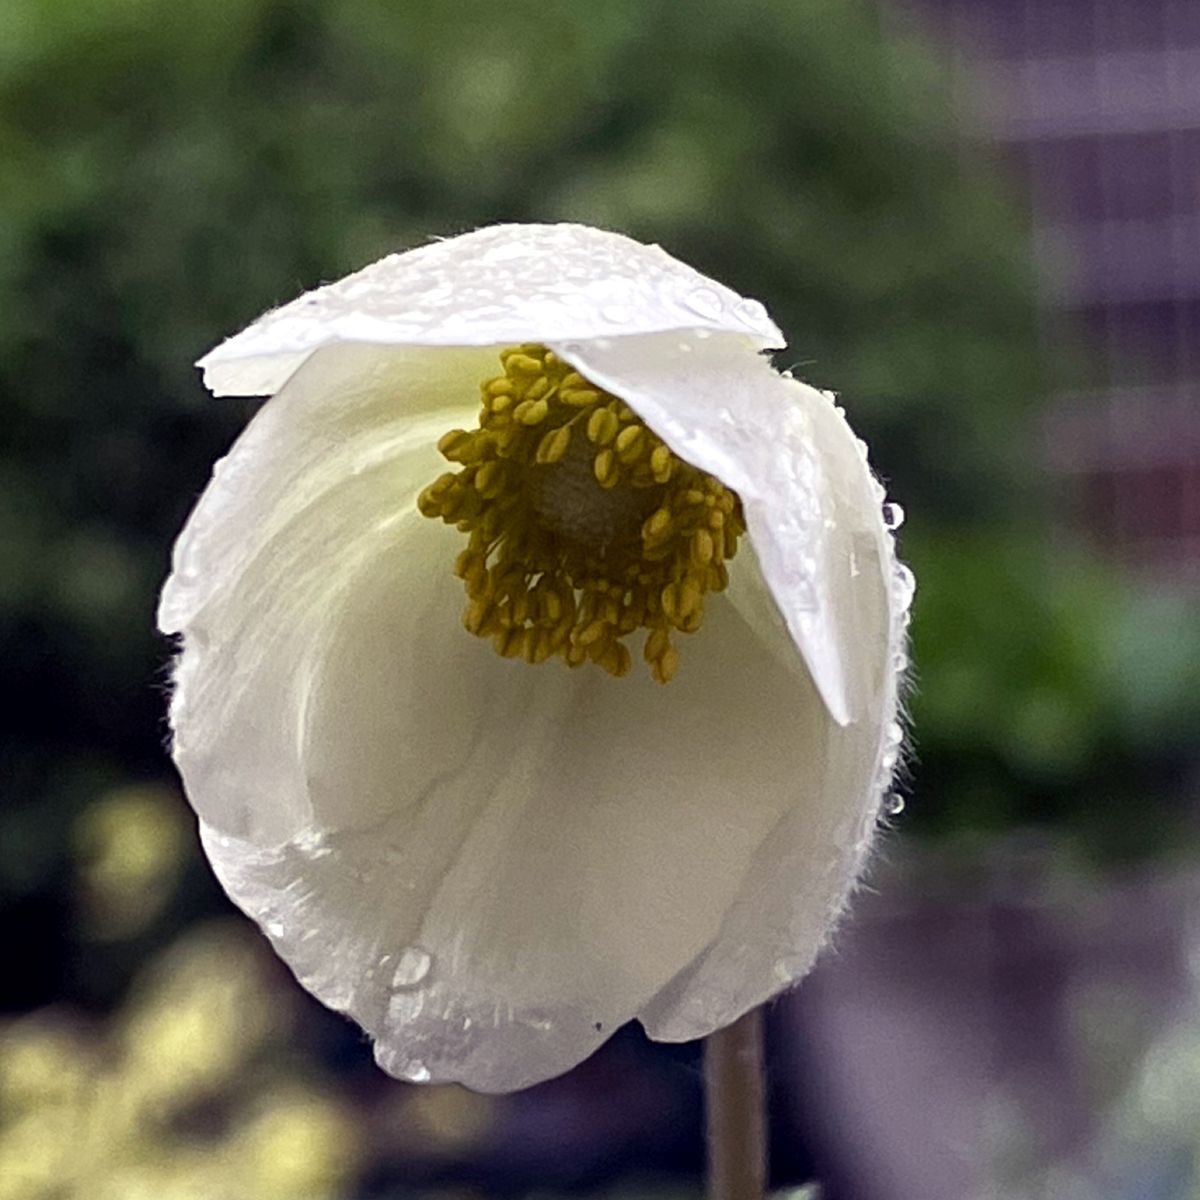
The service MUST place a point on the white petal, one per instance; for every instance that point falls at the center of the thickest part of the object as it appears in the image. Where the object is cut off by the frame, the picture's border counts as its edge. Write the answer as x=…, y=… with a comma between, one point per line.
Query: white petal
x=499, y=285
x=480, y=861
x=321, y=482
x=521, y=858
x=813, y=514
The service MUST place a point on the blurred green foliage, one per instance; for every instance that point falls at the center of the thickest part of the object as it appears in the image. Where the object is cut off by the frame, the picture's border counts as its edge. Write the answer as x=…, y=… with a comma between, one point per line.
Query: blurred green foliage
x=170, y=171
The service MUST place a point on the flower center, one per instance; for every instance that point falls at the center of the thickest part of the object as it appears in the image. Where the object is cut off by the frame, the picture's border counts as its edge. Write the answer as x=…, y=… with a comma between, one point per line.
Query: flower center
x=583, y=527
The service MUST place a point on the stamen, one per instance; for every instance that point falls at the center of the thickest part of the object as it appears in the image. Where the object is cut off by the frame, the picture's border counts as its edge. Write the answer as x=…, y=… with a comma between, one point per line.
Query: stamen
x=582, y=525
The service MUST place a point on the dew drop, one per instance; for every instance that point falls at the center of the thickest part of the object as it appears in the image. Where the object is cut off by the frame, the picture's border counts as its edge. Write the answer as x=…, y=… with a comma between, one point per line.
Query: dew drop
x=412, y=967
x=905, y=585
x=704, y=302
x=311, y=843
x=752, y=311
x=275, y=928
x=685, y=347
x=893, y=515
x=415, y=1072
x=893, y=805
x=701, y=335
x=895, y=733
x=784, y=970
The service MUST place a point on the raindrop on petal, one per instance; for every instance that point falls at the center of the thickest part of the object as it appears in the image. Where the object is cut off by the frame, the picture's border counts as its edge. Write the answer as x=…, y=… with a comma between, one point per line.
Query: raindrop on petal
x=412, y=967
x=704, y=302
x=752, y=311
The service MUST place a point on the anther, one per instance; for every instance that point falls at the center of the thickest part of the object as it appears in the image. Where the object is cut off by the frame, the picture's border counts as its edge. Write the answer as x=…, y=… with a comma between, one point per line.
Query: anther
x=574, y=547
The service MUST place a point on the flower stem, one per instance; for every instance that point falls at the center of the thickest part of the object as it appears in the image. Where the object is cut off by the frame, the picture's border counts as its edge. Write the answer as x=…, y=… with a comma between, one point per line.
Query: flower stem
x=735, y=1100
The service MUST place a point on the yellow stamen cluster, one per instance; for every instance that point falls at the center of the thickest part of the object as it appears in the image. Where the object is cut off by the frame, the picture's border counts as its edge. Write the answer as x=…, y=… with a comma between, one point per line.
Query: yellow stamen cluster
x=583, y=525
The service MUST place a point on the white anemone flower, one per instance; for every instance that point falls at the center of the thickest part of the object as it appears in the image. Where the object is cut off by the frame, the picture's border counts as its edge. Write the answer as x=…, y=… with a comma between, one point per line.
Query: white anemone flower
x=488, y=860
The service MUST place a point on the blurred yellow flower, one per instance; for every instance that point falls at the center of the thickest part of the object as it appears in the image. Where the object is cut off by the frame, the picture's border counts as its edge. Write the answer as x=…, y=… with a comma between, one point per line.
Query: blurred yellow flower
x=491, y=867
x=130, y=847
x=84, y=1117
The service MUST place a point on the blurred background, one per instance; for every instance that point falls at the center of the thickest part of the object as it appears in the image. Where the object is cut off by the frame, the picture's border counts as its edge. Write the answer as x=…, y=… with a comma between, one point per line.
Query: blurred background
x=977, y=220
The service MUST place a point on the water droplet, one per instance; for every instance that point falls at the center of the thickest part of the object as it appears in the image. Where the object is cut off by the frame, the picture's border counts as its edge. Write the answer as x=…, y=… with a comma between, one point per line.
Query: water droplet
x=704, y=302
x=685, y=347
x=893, y=805
x=785, y=970
x=895, y=733
x=412, y=967
x=404, y=1007
x=905, y=585
x=275, y=928
x=701, y=334
x=311, y=842
x=900, y=661
x=893, y=516
x=888, y=760
x=618, y=314
x=752, y=311
x=415, y=1072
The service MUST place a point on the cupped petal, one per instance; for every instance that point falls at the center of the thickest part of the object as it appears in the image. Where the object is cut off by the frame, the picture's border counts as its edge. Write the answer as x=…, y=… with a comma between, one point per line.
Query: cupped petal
x=501, y=284
x=327, y=473
x=490, y=866
x=826, y=560
x=569, y=845
x=810, y=513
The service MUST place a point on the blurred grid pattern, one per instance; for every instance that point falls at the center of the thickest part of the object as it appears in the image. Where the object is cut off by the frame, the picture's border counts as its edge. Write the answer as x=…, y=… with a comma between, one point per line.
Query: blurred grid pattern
x=1094, y=105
